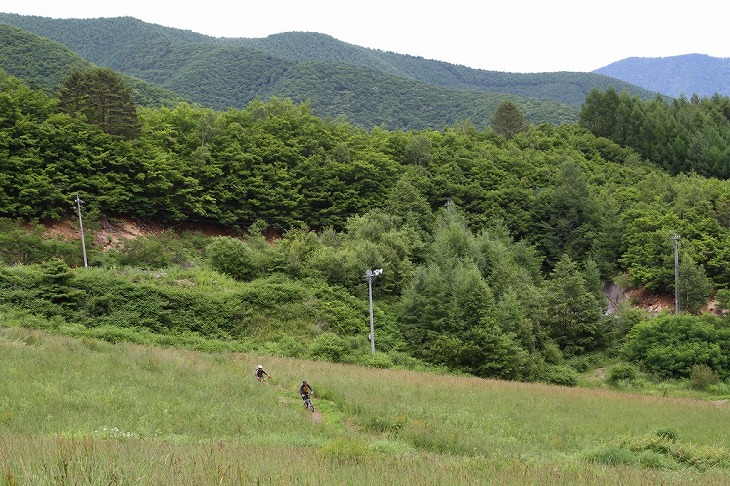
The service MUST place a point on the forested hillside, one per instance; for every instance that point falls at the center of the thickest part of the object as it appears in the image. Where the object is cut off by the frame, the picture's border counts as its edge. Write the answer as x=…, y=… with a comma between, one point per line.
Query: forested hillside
x=45, y=64
x=564, y=87
x=384, y=100
x=494, y=248
x=338, y=79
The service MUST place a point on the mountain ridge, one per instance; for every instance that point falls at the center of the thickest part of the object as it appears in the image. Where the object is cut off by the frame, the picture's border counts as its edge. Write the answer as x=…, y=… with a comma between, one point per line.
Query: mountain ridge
x=224, y=73
x=675, y=76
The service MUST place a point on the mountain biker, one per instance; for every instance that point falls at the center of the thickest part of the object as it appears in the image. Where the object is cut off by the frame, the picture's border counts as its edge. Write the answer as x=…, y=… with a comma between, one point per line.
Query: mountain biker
x=260, y=373
x=305, y=390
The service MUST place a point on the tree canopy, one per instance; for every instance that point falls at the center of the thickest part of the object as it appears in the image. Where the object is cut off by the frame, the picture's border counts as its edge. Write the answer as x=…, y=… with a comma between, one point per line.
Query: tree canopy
x=103, y=97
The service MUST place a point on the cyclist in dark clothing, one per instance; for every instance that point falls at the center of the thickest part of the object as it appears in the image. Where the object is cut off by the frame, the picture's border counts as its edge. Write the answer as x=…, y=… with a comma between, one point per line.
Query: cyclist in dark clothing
x=260, y=373
x=304, y=391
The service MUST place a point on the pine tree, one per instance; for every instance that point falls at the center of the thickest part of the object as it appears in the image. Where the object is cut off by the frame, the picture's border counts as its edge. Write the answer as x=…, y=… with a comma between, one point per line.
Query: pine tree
x=574, y=311
x=508, y=120
x=102, y=96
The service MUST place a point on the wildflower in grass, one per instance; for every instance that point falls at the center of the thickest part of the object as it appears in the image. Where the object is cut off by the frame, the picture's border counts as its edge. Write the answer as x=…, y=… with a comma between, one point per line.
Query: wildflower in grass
x=113, y=432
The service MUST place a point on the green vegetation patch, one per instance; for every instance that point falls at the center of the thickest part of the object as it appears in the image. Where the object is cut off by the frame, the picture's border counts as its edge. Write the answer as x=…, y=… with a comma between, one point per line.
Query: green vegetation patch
x=661, y=450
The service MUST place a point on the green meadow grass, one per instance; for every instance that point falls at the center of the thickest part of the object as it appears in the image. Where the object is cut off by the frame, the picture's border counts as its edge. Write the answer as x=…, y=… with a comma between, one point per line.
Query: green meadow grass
x=84, y=411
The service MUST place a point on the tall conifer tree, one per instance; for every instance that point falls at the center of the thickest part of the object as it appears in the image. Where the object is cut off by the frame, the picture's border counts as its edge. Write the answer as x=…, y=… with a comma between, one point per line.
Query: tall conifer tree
x=508, y=120
x=104, y=98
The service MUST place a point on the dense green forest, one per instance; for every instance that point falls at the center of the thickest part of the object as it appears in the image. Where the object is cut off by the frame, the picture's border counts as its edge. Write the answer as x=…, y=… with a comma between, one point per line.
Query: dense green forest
x=494, y=248
x=367, y=87
x=681, y=136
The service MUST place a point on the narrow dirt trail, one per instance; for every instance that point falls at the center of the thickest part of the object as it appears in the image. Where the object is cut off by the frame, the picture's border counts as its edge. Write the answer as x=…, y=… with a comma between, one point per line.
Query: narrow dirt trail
x=316, y=415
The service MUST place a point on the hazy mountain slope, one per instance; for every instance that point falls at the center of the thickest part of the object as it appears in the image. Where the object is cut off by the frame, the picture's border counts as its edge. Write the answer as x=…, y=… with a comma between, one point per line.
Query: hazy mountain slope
x=103, y=41
x=312, y=46
x=121, y=43
x=45, y=64
x=673, y=76
x=564, y=87
x=37, y=61
x=231, y=78
x=371, y=98
x=223, y=73
x=234, y=76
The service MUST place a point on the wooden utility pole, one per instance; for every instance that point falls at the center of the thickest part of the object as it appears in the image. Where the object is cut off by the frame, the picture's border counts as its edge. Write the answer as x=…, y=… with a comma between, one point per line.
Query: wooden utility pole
x=81, y=225
x=676, y=272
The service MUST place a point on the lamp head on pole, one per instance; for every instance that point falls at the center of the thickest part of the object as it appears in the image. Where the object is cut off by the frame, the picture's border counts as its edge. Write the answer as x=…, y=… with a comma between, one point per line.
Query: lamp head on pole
x=373, y=273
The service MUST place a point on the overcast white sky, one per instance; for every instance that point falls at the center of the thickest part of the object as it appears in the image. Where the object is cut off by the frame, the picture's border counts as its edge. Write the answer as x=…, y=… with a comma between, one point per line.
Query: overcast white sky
x=500, y=35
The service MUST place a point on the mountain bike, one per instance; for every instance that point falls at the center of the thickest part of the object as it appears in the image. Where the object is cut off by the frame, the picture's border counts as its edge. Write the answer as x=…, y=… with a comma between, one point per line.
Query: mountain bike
x=308, y=402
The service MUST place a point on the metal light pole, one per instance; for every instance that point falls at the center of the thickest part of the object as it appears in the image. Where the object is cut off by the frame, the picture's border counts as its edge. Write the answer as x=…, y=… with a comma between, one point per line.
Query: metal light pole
x=371, y=274
x=81, y=225
x=676, y=273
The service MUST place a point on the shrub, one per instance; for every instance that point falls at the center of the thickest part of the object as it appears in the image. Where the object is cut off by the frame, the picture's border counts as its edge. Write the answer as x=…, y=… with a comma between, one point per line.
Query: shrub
x=670, y=345
x=152, y=252
x=611, y=456
x=405, y=360
x=558, y=375
x=287, y=346
x=551, y=352
x=579, y=364
x=702, y=376
x=378, y=360
x=232, y=257
x=19, y=245
x=336, y=266
x=668, y=433
x=328, y=346
x=661, y=450
x=622, y=372
x=722, y=388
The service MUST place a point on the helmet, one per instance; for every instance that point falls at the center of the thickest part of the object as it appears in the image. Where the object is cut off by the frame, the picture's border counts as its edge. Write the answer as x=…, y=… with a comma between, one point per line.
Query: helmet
x=260, y=367
x=305, y=382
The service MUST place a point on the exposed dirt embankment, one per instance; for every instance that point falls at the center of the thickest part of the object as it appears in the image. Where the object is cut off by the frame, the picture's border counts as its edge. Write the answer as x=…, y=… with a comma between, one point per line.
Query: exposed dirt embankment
x=651, y=301
x=109, y=234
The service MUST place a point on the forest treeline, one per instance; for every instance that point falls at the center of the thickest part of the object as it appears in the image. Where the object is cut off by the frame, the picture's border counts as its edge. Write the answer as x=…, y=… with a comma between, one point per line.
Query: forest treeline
x=494, y=248
x=682, y=135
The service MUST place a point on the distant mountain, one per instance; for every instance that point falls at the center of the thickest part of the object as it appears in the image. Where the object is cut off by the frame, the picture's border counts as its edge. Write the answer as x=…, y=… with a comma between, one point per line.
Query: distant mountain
x=366, y=86
x=674, y=76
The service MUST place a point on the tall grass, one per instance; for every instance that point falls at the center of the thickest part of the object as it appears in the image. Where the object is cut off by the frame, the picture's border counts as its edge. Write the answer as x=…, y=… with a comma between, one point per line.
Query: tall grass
x=83, y=411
